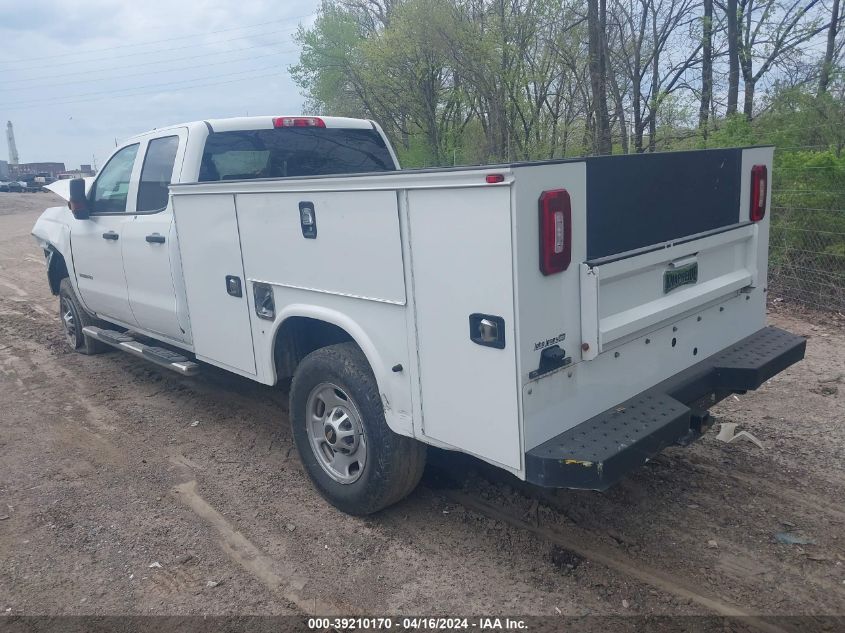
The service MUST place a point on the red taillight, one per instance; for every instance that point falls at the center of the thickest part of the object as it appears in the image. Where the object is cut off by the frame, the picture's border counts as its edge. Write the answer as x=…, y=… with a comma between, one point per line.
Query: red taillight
x=555, y=231
x=298, y=121
x=492, y=179
x=759, y=183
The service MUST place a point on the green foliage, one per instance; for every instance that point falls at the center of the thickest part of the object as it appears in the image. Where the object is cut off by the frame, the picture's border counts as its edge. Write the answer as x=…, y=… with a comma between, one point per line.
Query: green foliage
x=808, y=195
x=485, y=81
x=479, y=80
x=330, y=50
x=733, y=131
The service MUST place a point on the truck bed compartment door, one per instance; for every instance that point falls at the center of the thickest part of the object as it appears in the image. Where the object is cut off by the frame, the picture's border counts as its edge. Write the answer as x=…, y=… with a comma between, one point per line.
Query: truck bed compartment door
x=463, y=290
x=210, y=248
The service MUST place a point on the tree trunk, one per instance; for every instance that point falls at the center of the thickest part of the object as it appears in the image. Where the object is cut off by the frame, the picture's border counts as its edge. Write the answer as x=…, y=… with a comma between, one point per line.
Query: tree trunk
x=655, y=87
x=620, y=113
x=596, y=20
x=636, y=91
x=733, y=56
x=707, y=67
x=588, y=142
x=748, y=103
x=827, y=63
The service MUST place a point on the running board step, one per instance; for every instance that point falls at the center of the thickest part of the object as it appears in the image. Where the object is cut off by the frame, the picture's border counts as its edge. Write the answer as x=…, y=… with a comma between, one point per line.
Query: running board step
x=159, y=355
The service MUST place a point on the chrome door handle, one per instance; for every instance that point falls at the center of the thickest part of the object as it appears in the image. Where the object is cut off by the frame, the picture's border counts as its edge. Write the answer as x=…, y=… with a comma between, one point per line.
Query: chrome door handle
x=155, y=238
x=110, y=235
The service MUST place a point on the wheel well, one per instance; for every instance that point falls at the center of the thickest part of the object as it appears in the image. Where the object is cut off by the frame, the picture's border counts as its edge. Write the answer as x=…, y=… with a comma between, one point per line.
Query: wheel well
x=56, y=271
x=299, y=336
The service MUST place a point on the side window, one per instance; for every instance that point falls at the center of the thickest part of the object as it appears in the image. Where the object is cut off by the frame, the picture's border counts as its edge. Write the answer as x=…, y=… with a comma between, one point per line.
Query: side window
x=156, y=174
x=112, y=186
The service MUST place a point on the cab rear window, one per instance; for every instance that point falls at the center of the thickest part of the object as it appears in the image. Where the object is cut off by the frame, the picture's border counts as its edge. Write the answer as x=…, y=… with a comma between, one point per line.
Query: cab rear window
x=283, y=152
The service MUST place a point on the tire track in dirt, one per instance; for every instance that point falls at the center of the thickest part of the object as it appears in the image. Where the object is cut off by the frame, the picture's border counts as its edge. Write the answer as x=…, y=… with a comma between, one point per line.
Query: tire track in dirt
x=583, y=544
x=779, y=492
x=268, y=570
x=22, y=364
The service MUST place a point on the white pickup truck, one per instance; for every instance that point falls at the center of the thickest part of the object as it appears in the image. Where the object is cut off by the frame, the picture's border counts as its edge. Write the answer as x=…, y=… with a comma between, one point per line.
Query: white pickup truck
x=563, y=320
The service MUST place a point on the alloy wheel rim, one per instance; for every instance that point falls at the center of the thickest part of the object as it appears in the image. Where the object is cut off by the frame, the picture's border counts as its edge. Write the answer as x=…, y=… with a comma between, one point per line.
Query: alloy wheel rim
x=69, y=322
x=336, y=433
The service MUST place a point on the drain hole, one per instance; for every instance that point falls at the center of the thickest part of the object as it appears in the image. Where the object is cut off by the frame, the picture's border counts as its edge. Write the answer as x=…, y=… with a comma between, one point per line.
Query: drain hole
x=694, y=351
x=674, y=342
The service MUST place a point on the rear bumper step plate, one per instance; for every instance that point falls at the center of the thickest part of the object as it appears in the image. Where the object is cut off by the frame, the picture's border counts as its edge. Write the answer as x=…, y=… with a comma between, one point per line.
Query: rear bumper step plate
x=161, y=356
x=598, y=452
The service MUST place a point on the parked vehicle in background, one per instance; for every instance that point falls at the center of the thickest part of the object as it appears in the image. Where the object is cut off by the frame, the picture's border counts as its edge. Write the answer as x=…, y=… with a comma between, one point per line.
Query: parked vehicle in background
x=563, y=320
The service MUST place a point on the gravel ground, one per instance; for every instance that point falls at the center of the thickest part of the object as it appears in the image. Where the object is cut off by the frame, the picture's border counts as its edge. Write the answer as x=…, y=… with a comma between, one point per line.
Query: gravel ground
x=112, y=501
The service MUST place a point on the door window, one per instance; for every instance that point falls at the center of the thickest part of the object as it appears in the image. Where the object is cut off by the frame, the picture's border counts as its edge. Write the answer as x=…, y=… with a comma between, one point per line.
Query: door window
x=156, y=174
x=112, y=186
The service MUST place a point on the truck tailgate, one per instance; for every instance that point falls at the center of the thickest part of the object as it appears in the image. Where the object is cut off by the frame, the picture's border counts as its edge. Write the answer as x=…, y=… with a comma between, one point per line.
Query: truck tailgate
x=623, y=297
x=666, y=236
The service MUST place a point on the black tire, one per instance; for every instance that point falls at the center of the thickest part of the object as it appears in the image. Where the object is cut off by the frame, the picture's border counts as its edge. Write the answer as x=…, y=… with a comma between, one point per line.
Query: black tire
x=69, y=307
x=394, y=463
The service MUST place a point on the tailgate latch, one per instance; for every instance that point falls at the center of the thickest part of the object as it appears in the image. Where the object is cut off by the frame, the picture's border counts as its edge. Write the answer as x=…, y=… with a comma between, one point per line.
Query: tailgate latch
x=551, y=358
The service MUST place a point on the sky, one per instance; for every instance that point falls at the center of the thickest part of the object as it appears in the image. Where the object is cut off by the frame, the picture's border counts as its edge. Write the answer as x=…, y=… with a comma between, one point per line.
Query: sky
x=75, y=76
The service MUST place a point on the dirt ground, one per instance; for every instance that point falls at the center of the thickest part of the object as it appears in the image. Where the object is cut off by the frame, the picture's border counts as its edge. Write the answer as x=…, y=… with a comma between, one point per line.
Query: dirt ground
x=127, y=490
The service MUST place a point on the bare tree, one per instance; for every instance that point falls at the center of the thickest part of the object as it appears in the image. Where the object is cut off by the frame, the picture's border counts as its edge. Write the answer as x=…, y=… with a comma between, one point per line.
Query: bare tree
x=706, y=66
x=827, y=62
x=653, y=52
x=731, y=10
x=596, y=25
x=770, y=32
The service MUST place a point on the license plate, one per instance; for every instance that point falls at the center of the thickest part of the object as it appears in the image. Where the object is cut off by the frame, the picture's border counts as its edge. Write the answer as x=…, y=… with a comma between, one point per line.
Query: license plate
x=682, y=276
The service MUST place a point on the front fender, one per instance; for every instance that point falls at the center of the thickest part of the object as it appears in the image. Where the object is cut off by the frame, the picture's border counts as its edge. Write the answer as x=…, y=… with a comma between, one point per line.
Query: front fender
x=52, y=233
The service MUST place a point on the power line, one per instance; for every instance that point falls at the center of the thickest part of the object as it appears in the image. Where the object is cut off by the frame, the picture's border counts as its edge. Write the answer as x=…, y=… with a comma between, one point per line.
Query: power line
x=117, y=90
x=214, y=83
x=165, y=50
x=88, y=71
x=161, y=70
x=169, y=39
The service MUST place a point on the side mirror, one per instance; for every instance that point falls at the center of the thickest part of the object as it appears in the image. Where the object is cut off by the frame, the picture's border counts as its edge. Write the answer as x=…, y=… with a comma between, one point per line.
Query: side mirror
x=78, y=201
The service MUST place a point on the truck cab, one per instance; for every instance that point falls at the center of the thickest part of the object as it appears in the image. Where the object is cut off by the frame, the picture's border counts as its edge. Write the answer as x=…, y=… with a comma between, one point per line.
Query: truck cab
x=126, y=265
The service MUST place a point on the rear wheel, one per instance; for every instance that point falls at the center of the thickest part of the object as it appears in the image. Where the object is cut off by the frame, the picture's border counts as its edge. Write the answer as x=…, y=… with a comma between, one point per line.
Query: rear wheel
x=73, y=318
x=356, y=462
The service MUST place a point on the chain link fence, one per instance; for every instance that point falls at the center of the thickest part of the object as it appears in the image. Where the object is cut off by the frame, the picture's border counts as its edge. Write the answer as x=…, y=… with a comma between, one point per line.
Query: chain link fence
x=807, y=242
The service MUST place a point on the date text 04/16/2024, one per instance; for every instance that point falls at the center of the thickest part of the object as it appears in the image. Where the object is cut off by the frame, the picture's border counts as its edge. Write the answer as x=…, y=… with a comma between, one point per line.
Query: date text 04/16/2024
x=418, y=624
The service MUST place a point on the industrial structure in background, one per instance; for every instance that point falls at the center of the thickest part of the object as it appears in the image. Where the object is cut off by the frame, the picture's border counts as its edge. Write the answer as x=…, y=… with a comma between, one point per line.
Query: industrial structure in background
x=13, y=148
x=33, y=176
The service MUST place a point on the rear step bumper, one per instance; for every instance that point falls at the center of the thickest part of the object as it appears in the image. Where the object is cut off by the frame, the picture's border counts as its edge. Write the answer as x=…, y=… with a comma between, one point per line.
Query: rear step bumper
x=161, y=356
x=599, y=452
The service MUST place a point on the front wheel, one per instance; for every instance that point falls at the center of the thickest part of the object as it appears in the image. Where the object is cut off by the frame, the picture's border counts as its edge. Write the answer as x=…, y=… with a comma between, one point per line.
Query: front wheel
x=74, y=318
x=356, y=462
